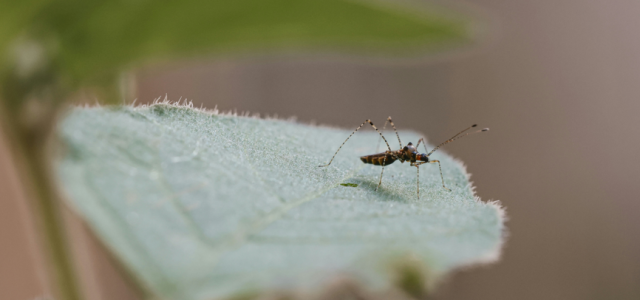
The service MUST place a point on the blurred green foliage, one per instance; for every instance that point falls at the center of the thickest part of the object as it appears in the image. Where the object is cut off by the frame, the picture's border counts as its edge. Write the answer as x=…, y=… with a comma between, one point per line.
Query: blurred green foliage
x=50, y=49
x=88, y=41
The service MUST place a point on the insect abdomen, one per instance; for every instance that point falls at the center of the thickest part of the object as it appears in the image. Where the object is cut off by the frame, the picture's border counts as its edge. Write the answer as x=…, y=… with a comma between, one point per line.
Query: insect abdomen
x=378, y=160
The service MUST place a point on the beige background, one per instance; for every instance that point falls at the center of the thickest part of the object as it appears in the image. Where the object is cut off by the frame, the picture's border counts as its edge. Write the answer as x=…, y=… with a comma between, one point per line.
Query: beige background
x=560, y=89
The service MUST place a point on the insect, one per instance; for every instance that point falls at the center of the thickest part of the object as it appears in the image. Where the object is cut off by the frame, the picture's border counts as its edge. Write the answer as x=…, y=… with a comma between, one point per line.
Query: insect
x=407, y=153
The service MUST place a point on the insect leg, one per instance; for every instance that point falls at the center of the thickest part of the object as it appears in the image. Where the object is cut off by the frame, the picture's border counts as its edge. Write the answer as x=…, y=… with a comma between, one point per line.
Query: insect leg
x=394, y=129
x=425, y=145
x=439, y=166
x=418, y=177
x=345, y=141
x=441, y=177
x=380, y=139
x=380, y=183
x=384, y=163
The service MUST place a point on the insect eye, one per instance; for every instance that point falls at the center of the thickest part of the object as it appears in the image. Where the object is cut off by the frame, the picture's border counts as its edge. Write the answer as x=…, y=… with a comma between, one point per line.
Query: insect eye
x=405, y=148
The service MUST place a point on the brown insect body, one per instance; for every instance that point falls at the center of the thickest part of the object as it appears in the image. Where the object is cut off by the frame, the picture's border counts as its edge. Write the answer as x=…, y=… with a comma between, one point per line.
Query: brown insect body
x=407, y=153
x=380, y=159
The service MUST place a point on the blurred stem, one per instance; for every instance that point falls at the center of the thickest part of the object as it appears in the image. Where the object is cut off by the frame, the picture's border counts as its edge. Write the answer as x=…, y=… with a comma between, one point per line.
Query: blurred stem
x=28, y=147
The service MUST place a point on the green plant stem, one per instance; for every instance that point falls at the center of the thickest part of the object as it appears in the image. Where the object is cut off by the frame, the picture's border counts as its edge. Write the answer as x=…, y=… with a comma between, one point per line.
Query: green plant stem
x=28, y=148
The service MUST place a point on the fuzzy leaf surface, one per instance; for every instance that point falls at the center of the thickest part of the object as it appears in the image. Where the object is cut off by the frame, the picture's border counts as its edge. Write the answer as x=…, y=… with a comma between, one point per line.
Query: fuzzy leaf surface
x=205, y=206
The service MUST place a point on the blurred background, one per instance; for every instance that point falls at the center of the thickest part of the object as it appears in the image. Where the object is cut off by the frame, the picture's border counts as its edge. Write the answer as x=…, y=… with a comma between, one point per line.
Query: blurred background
x=558, y=83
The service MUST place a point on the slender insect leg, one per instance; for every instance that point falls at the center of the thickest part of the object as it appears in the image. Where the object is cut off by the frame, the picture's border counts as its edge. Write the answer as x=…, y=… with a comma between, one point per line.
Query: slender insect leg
x=418, y=168
x=380, y=183
x=394, y=129
x=439, y=166
x=380, y=139
x=384, y=163
x=425, y=145
x=413, y=164
x=345, y=141
x=441, y=177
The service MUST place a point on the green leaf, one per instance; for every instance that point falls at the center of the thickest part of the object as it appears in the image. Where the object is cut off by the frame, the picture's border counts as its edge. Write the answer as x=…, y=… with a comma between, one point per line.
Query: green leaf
x=201, y=205
x=15, y=16
x=98, y=38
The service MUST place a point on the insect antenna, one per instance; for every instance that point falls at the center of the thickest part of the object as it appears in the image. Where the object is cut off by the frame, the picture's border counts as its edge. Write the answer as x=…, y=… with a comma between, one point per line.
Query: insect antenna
x=458, y=136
